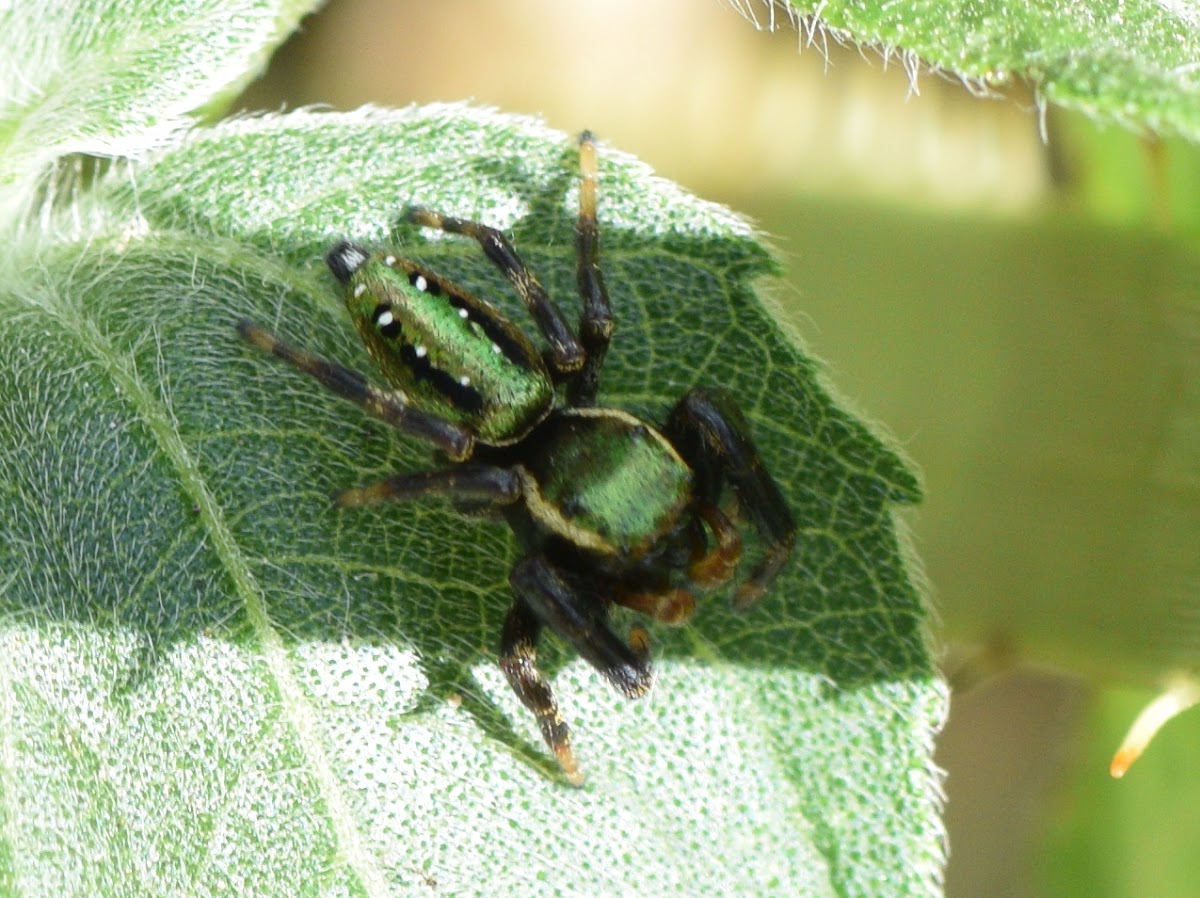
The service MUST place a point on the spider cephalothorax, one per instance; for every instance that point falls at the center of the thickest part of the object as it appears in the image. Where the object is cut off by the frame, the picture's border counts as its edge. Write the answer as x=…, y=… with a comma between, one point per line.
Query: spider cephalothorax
x=609, y=509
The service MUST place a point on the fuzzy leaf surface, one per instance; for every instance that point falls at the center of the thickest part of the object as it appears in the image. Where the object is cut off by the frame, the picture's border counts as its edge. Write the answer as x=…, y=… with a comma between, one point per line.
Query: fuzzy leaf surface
x=117, y=77
x=213, y=680
x=1129, y=62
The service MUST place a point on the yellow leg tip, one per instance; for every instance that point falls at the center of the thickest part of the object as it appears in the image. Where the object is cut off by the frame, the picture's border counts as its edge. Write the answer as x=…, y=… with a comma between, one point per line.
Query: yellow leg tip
x=570, y=765
x=1182, y=693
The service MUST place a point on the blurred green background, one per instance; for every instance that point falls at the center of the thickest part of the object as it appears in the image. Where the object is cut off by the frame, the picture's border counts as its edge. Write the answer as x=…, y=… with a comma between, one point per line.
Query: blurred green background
x=1020, y=314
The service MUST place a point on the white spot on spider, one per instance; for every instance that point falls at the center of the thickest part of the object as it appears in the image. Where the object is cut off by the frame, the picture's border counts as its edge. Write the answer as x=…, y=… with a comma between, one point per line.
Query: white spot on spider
x=463, y=313
x=359, y=290
x=495, y=347
x=420, y=283
x=384, y=319
x=389, y=260
x=422, y=352
x=465, y=381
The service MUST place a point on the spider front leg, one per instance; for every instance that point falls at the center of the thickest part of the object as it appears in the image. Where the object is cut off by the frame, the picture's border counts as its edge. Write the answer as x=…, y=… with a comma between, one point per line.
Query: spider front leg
x=596, y=323
x=546, y=596
x=477, y=486
x=709, y=431
x=456, y=442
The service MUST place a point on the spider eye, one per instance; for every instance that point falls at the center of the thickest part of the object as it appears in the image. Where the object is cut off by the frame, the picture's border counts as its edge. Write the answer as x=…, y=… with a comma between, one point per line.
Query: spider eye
x=386, y=321
x=424, y=284
x=345, y=259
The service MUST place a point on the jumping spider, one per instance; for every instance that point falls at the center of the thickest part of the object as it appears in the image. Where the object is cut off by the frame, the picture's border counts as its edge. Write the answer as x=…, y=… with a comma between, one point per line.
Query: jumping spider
x=607, y=507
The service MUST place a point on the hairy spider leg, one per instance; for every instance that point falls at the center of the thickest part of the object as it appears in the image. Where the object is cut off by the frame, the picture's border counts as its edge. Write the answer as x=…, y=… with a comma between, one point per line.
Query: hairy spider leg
x=544, y=596
x=583, y=622
x=491, y=485
x=389, y=406
x=709, y=568
x=596, y=320
x=711, y=434
x=716, y=566
x=566, y=355
x=518, y=660
x=668, y=604
x=476, y=485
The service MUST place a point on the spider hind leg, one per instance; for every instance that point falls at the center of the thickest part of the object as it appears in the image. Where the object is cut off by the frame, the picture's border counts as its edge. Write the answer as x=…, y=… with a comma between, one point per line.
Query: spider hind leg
x=709, y=431
x=546, y=595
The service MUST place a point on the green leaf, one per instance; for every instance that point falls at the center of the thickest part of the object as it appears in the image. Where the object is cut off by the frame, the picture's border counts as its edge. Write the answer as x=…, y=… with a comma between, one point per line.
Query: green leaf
x=212, y=679
x=119, y=77
x=1129, y=62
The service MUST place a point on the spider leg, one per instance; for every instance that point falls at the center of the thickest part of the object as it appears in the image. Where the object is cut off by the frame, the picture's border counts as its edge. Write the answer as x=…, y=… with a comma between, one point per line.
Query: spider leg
x=711, y=434
x=708, y=568
x=596, y=323
x=518, y=660
x=478, y=486
x=391, y=407
x=667, y=604
x=545, y=596
x=565, y=352
x=583, y=622
x=715, y=567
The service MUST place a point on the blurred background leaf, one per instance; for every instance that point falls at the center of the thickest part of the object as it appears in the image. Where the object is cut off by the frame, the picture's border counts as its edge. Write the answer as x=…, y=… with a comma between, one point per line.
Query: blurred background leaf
x=1133, y=62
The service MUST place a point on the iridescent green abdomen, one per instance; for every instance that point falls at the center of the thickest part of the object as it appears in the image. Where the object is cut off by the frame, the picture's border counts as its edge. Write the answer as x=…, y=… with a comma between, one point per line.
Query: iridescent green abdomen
x=606, y=481
x=452, y=354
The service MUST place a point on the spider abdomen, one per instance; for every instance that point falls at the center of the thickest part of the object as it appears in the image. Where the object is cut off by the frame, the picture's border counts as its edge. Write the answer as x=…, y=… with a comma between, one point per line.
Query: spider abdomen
x=605, y=481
